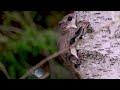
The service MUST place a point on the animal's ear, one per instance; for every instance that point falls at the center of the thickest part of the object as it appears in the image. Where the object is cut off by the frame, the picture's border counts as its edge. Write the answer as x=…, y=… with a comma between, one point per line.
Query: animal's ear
x=60, y=23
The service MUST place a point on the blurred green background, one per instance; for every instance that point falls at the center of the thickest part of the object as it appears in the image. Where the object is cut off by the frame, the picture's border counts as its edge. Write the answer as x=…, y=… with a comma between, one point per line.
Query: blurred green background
x=27, y=37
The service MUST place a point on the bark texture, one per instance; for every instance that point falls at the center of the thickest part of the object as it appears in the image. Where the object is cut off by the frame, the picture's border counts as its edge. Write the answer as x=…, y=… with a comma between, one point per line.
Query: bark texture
x=99, y=52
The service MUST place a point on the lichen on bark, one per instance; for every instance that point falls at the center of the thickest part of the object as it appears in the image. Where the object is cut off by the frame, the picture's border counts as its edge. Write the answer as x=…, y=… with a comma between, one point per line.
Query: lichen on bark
x=100, y=50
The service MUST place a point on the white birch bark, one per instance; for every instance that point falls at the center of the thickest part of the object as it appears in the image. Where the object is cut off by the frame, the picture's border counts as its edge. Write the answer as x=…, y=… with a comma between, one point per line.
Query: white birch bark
x=101, y=50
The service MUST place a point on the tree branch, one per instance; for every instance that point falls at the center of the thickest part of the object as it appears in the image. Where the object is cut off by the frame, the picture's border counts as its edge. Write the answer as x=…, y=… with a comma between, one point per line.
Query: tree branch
x=42, y=62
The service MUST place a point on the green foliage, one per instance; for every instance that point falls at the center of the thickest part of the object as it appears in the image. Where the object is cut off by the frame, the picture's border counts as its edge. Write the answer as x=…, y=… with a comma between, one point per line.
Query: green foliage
x=15, y=52
x=28, y=39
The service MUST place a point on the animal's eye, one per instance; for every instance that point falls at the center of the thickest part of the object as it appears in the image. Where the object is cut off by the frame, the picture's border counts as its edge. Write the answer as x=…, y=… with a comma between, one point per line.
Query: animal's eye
x=69, y=18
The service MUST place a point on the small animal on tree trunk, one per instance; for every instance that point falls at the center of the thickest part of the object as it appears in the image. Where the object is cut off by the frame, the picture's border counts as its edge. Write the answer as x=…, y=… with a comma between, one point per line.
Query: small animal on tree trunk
x=70, y=34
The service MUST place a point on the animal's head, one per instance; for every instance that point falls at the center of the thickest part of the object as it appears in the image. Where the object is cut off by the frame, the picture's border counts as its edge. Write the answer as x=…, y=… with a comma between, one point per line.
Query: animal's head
x=68, y=22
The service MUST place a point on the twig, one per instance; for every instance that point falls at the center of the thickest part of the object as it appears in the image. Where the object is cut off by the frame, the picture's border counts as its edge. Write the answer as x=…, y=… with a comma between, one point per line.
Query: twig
x=43, y=61
x=2, y=67
x=45, y=75
x=4, y=28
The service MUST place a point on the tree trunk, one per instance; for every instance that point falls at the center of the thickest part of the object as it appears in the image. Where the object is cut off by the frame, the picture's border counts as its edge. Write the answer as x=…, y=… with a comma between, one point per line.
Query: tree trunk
x=101, y=49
